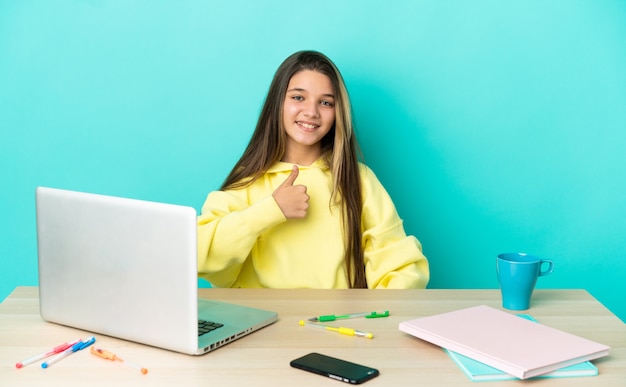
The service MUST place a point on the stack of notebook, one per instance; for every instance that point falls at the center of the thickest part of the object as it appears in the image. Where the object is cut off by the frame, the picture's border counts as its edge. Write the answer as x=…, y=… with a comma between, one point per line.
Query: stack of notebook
x=513, y=346
x=479, y=372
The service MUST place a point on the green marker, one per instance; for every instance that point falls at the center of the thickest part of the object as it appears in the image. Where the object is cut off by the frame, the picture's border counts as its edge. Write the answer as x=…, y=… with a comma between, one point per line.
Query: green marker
x=333, y=317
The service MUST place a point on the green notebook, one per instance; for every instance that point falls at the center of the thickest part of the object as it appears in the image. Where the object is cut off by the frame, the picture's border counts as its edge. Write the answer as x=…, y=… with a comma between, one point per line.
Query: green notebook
x=478, y=371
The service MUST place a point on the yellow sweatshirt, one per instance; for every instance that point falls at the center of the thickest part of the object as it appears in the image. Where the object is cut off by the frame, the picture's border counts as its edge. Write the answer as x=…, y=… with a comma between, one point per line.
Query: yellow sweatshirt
x=244, y=239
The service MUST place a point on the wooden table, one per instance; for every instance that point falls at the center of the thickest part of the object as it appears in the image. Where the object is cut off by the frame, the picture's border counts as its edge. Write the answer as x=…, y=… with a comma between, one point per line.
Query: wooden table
x=262, y=359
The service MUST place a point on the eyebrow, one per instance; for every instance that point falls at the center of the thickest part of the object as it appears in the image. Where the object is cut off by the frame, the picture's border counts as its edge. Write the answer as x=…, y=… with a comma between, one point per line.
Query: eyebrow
x=298, y=89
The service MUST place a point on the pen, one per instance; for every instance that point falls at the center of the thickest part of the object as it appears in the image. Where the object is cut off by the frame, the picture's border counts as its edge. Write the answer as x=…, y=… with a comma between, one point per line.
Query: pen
x=103, y=353
x=74, y=348
x=333, y=317
x=53, y=351
x=342, y=330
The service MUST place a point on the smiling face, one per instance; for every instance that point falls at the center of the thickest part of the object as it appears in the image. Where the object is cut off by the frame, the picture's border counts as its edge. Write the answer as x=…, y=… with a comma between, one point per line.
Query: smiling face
x=308, y=115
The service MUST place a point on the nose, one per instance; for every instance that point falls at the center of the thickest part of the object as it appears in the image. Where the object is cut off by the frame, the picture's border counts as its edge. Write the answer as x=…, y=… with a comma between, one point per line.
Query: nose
x=311, y=109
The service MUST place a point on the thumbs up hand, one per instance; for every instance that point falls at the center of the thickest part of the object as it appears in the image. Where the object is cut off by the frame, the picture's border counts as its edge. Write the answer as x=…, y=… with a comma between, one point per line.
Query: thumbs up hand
x=292, y=199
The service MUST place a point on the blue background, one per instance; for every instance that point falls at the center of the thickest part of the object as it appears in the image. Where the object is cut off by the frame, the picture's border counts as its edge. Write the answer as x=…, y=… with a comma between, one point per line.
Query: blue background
x=496, y=126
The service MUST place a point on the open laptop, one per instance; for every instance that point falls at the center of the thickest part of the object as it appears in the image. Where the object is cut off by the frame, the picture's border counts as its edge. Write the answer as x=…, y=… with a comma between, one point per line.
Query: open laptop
x=128, y=268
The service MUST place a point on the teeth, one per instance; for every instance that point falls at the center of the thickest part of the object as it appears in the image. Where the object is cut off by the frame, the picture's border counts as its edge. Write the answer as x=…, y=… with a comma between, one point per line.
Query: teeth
x=308, y=126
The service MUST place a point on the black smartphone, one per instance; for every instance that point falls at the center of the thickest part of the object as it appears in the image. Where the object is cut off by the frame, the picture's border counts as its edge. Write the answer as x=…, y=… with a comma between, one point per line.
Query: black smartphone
x=334, y=368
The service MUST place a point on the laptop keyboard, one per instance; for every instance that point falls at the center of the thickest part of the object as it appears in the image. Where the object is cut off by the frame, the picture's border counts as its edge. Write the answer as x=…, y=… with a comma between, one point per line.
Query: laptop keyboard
x=207, y=326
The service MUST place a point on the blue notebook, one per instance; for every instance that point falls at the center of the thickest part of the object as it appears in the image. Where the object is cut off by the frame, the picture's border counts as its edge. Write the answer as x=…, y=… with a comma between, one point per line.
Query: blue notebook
x=478, y=371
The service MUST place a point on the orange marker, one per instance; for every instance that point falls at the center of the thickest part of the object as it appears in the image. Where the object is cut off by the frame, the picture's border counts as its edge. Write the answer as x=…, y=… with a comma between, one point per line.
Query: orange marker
x=103, y=353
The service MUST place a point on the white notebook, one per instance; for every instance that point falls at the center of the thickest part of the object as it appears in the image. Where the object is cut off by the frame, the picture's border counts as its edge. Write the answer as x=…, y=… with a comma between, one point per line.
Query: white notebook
x=128, y=268
x=517, y=346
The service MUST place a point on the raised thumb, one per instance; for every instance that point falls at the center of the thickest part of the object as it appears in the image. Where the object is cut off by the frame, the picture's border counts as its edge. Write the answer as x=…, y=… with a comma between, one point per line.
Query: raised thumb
x=292, y=176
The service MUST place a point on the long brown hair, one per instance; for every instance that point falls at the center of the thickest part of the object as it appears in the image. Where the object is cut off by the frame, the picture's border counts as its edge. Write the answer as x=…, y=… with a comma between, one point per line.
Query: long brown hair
x=339, y=149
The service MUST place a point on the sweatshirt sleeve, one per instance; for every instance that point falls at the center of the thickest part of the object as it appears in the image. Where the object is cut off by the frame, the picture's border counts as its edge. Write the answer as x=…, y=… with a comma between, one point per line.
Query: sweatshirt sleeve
x=228, y=229
x=393, y=260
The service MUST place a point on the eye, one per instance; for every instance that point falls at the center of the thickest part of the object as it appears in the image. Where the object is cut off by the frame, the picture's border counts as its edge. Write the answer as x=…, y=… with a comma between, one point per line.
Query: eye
x=328, y=103
x=297, y=98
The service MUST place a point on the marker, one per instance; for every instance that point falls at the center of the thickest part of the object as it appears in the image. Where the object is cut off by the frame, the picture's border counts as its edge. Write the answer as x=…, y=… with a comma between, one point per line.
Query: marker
x=74, y=348
x=103, y=353
x=53, y=351
x=333, y=317
x=342, y=330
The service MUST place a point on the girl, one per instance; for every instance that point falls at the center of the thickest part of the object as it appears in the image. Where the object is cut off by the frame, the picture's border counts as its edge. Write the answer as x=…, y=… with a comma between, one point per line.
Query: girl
x=298, y=210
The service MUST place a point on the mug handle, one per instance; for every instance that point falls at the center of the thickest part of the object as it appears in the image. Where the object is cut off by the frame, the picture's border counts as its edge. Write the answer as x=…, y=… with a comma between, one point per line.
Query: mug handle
x=548, y=270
